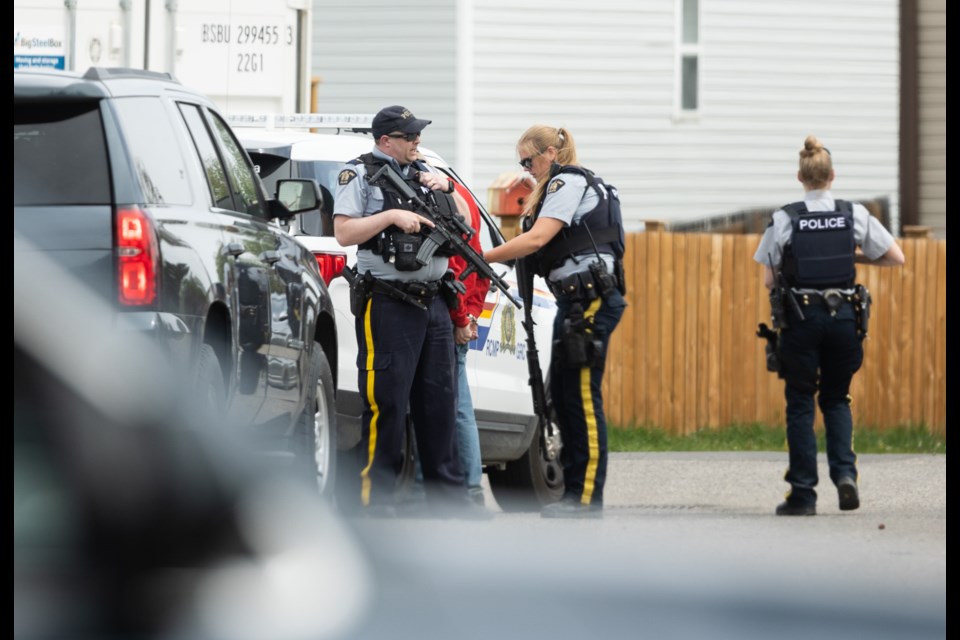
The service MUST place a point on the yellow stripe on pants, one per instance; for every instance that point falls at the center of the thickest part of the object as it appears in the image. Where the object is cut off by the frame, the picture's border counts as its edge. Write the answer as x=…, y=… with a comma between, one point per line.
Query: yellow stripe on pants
x=374, y=408
x=590, y=417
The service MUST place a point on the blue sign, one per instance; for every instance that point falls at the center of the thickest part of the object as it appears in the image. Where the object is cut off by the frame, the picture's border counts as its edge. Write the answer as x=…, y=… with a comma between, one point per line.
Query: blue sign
x=46, y=62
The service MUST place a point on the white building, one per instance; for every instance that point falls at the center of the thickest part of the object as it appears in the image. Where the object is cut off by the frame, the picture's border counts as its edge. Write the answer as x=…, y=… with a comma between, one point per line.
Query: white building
x=692, y=109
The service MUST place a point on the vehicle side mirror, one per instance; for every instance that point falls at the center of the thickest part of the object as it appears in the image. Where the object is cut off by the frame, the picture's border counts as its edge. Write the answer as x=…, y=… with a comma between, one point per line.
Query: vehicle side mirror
x=296, y=196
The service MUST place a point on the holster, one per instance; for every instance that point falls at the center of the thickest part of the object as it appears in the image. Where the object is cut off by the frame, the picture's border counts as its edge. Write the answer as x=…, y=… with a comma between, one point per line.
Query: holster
x=770, y=349
x=579, y=345
x=451, y=289
x=862, y=304
x=361, y=288
x=606, y=283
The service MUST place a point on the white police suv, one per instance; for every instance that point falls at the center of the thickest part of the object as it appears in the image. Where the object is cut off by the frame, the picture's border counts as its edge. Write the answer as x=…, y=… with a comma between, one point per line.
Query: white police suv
x=520, y=457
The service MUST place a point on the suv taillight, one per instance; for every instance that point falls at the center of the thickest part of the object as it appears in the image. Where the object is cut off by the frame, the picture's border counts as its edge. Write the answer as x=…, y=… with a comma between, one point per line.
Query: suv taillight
x=137, y=258
x=331, y=265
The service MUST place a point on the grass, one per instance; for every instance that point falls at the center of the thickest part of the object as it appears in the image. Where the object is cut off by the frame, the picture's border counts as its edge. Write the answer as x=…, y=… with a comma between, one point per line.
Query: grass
x=759, y=437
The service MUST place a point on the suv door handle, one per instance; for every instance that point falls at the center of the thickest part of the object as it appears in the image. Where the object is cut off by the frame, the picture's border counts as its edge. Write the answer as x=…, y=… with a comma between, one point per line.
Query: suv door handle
x=270, y=256
x=234, y=249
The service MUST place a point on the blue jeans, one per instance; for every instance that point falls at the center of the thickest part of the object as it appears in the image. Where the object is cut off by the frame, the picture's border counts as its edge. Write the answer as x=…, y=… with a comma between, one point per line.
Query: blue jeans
x=819, y=356
x=468, y=436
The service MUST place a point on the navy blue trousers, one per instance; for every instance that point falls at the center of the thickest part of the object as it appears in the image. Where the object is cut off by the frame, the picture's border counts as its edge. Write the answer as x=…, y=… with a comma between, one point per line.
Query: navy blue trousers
x=406, y=359
x=819, y=356
x=577, y=399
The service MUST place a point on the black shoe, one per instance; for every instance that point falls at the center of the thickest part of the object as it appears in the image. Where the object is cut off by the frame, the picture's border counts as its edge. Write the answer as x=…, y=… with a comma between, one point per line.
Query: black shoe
x=571, y=509
x=787, y=509
x=848, y=494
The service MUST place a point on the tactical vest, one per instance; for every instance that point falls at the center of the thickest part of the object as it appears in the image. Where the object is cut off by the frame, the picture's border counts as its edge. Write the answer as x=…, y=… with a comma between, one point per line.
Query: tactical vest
x=598, y=231
x=821, y=248
x=393, y=240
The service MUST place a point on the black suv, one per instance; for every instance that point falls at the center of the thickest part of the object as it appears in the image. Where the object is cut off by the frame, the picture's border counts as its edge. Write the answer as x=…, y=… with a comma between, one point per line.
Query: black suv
x=139, y=188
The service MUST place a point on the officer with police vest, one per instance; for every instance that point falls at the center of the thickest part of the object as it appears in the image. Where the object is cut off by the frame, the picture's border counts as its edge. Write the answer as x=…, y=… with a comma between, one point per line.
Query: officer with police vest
x=574, y=237
x=404, y=333
x=809, y=250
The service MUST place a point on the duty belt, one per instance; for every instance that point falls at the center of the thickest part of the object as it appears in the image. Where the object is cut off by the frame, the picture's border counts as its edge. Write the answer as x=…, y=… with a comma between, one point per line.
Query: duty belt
x=415, y=292
x=416, y=288
x=832, y=299
x=576, y=286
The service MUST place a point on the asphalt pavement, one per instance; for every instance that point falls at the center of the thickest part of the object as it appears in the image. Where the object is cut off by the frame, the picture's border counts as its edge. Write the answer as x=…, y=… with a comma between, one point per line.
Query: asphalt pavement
x=689, y=547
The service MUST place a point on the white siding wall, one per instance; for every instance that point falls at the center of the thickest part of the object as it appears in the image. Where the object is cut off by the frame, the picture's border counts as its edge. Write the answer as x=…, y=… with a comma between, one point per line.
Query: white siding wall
x=770, y=73
x=932, y=84
x=603, y=70
x=373, y=53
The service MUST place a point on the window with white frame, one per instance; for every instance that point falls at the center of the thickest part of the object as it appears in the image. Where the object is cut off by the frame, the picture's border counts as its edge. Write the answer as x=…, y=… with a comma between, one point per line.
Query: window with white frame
x=688, y=54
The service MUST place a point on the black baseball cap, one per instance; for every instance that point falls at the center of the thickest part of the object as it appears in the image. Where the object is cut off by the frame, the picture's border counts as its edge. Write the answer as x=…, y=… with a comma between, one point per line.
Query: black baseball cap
x=396, y=118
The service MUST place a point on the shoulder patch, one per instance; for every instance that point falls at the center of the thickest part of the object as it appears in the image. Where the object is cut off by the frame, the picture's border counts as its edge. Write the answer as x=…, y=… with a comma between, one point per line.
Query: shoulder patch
x=346, y=176
x=555, y=185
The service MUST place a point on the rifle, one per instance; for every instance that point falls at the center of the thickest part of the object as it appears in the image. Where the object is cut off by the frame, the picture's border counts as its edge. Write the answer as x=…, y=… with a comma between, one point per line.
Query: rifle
x=363, y=285
x=547, y=427
x=448, y=229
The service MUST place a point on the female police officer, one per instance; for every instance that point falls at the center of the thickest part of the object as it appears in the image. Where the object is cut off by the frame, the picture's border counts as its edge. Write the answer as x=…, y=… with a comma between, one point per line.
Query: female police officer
x=575, y=241
x=814, y=245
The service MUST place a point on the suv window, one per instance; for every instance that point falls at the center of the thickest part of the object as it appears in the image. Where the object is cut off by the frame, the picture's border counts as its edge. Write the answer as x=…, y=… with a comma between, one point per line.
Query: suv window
x=216, y=176
x=242, y=179
x=272, y=168
x=325, y=173
x=60, y=155
x=157, y=159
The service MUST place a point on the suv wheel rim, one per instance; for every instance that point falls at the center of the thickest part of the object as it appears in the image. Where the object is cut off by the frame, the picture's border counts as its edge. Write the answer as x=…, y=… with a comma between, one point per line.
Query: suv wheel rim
x=321, y=439
x=550, y=457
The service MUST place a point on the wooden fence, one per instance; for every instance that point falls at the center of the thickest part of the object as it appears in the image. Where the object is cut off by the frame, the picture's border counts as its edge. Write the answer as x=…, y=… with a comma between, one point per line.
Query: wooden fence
x=686, y=356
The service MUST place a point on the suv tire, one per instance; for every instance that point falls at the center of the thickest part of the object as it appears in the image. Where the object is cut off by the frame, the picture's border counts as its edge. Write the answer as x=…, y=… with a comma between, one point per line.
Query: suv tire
x=535, y=479
x=210, y=395
x=315, y=440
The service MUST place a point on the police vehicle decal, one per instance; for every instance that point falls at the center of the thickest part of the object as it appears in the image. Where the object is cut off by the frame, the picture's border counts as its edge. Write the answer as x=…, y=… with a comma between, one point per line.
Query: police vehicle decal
x=484, y=322
x=507, y=337
x=544, y=299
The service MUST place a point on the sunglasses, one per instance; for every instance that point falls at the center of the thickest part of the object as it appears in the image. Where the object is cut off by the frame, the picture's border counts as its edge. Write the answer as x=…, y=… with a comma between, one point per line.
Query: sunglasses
x=527, y=163
x=409, y=137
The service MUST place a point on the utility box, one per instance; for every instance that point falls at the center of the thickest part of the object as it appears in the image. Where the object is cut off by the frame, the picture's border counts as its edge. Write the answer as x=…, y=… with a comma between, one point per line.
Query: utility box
x=506, y=199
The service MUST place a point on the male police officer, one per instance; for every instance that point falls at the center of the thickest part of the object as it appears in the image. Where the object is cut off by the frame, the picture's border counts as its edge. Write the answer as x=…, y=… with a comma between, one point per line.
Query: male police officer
x=404, y=333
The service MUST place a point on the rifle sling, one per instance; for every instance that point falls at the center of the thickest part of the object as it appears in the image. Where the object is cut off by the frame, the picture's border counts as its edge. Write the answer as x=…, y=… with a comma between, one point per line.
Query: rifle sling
x=577, y=240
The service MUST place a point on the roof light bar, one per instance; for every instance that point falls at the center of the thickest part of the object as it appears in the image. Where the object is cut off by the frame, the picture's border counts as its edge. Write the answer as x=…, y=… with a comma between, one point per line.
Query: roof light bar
x=302, y=120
